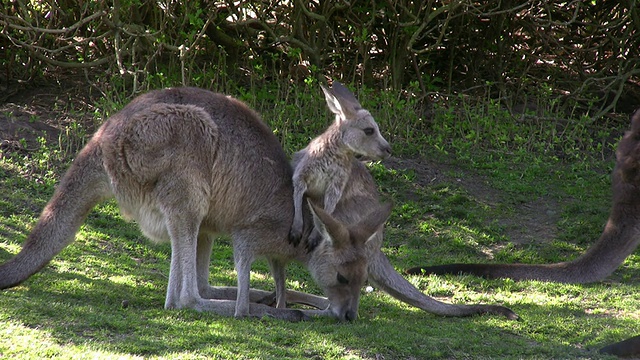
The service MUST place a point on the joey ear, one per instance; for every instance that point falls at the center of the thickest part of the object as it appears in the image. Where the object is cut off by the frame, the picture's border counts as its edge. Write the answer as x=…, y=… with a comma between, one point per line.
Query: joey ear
x=345, y=96
x=341, y=100
x=635, y=122
x=330, y=228
x=332, y=102
x=372, y=223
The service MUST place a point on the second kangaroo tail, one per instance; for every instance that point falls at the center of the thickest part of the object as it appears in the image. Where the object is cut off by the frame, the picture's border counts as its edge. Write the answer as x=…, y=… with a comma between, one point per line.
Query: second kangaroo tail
x=618, y=240
x=82, y=187
x=561, y=272
x=629, y=347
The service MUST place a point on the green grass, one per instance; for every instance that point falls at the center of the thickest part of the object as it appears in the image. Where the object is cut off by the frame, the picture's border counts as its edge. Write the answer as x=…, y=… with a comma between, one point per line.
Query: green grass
x=484, y=187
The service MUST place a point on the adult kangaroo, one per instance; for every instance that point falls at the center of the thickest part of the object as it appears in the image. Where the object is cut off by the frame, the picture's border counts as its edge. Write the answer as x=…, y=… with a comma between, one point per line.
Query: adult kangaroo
x=620, y=237
x=361, y=192
x=186, y=164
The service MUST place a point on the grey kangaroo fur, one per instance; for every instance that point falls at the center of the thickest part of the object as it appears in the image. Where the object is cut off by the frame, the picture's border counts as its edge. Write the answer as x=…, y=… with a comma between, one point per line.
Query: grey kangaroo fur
x=321, y=169
x=620, y=237
x=186, y=164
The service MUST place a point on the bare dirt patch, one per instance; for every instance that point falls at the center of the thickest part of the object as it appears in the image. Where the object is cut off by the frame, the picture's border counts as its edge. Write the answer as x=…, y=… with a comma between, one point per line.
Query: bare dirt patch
x=527, y=221
x=45, y=111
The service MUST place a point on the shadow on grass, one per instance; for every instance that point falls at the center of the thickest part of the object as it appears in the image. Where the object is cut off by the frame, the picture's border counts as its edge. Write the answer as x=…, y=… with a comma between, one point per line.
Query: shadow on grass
x=78, y=301
x=77, y=310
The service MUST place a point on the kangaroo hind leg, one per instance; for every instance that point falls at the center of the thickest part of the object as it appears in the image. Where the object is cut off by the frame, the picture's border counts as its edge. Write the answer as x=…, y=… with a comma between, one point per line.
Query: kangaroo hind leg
x=204, y=249
x=181, y=209
x=182, y=290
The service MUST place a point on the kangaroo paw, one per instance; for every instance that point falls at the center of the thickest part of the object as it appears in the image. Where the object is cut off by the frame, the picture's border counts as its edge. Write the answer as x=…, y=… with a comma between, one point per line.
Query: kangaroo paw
x=295, y=236
x=291, y=315
x=269, y=300
x=301, y=316
x=315, y=238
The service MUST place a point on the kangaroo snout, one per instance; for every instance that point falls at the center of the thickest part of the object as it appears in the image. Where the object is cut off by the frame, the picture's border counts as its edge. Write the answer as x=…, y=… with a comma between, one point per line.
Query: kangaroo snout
x=346, y=313
x=386, y=151
x=378, y=150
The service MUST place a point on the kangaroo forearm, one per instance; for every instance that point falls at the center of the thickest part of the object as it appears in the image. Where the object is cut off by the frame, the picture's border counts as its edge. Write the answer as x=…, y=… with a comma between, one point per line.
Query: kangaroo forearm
x=299, y=189
x=297, y=297
x=331, y=200
x=257, y=295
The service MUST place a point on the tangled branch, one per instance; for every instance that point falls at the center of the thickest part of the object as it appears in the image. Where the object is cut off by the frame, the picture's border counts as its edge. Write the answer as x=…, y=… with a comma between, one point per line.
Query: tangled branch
x=585, y=51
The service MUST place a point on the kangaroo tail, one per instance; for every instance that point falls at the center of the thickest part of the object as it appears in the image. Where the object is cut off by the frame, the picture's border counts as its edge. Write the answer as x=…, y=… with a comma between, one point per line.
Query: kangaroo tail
x=383, y=275
x=629, y=347
x=82, y=187
x=561, y=272
x=618, y=240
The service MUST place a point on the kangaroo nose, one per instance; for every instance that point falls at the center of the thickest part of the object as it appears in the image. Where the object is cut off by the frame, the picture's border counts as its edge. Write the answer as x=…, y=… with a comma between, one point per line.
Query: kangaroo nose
x=387, y=150
x=350, y=315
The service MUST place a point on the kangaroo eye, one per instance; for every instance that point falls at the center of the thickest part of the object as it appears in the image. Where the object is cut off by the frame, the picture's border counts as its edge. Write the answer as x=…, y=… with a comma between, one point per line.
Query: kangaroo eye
x=368, y=131
x=342, y=280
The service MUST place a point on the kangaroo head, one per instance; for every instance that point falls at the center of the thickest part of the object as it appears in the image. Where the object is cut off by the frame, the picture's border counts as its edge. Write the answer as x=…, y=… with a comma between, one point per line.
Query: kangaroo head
x=359, y=131
x=628, y=153
x=339, y=263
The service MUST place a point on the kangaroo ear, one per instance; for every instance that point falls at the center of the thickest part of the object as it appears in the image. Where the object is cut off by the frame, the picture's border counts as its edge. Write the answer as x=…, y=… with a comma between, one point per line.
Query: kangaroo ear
x=635, y=122
x=330, y=228
x=363, y=231
x=341, y=101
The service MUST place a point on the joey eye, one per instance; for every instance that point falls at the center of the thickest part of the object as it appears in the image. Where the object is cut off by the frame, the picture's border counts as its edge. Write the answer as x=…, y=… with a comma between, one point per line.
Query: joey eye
x=368, y=131
x=342, y=280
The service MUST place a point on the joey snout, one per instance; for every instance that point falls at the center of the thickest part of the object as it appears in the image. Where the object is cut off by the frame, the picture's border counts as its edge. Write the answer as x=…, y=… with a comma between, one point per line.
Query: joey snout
x=386, y=151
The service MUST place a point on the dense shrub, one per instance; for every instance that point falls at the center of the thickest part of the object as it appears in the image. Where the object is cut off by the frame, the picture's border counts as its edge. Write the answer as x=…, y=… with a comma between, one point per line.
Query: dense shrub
x=578, y=53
